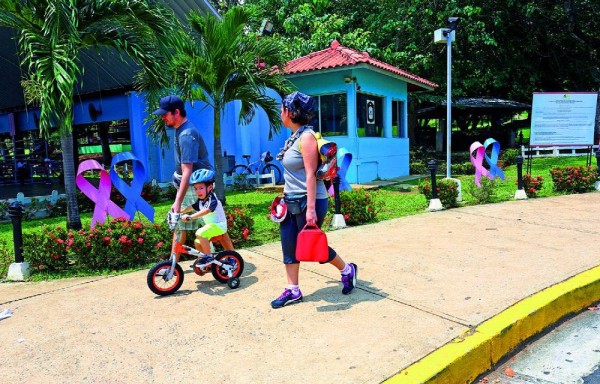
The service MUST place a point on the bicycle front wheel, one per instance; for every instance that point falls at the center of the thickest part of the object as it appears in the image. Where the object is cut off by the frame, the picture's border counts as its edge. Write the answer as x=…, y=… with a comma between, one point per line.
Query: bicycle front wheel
x=276, y=171
x=240, y=173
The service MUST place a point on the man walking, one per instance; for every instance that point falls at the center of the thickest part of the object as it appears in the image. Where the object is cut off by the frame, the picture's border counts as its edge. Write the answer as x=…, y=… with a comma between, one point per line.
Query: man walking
x=190, y=155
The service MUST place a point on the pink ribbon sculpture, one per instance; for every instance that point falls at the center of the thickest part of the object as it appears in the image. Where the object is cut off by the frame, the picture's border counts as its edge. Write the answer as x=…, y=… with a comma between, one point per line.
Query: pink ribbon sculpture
x=101, y=195
x=480, y=154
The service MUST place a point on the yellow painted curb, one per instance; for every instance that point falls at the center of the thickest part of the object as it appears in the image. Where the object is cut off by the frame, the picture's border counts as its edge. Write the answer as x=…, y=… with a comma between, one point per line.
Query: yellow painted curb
x=468, y=356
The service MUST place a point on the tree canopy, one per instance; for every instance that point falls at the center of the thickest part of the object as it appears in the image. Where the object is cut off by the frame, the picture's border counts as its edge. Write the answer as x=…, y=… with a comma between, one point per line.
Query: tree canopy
x=505, y=49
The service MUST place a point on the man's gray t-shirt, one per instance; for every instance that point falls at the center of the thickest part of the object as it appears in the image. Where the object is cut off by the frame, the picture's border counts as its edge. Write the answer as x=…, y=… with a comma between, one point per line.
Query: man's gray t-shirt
x=190, y=148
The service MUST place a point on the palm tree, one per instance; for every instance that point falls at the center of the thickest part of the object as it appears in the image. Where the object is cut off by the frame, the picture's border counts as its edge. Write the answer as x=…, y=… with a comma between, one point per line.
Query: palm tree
x=50, y=35
x=220, y=62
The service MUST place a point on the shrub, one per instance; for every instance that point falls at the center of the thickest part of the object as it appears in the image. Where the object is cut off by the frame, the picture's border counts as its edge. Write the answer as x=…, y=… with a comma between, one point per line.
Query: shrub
x=418, y=168
x=483, y=194
x=509, y=156
x=466, y=168
x=239, y=224
x=115, y=245
x=151, y=193
x=532, y=184
x=574, y=179
x=6, y=257
x=358, y=206
x=169, y=192
x=3, y=209
x=447, y=191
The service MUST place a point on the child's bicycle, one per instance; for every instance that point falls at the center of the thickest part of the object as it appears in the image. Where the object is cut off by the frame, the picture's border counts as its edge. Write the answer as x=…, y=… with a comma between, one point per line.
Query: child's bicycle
x=166, y=277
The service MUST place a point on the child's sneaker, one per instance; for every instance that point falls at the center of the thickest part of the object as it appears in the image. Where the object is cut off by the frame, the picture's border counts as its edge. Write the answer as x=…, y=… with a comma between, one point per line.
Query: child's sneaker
x=287, y=297
x=349, y=280
x=202, y=261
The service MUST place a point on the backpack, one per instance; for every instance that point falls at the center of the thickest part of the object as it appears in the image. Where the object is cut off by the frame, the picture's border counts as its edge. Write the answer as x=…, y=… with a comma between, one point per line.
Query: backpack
x=327, y=168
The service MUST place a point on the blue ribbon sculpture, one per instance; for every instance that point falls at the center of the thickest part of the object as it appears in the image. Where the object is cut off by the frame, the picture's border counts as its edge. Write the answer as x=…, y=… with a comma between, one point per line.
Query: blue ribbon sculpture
x=344, y=158
x=480, y=155
x=101, y=195
x=132, y=193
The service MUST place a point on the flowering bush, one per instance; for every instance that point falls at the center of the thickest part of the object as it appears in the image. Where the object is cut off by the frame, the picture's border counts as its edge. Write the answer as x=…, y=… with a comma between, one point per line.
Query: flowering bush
x=447, y=191
x=115, y=245
x=532, y=184
x=358, y=206
x=151, y=193
x=239, y=224
x=574, y=179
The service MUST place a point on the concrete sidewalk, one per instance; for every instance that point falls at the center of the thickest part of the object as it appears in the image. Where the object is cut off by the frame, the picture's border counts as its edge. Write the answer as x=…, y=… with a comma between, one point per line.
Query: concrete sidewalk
x=441, y=296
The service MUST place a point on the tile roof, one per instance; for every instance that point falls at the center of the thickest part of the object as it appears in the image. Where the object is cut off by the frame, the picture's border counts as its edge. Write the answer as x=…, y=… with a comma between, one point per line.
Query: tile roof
x=336, y=56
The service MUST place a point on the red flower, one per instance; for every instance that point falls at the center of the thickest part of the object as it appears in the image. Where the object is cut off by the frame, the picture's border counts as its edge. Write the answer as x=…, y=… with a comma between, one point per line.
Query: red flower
x=123, y=239
x=59, y=241
x=138, y=225
x=140, y=241
x=159, y=244
x=56, y=256
x=245, y=233
x=88, y=244
x=106, y=240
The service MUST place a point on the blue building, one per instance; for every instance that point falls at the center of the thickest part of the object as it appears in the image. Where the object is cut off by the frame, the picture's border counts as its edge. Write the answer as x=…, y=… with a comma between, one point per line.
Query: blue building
x=362, y=107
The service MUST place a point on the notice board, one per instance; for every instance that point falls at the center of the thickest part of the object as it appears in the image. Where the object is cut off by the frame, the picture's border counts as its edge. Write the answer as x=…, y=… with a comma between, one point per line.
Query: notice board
x=563, y=118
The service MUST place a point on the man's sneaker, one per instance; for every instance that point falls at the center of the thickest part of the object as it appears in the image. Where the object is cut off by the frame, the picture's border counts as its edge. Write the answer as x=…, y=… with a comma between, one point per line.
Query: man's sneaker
x=349, y=280
x=287, y=297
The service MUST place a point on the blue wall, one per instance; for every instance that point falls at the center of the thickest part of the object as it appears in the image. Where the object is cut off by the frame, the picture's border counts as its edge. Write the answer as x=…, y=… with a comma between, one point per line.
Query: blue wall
x=373, y=157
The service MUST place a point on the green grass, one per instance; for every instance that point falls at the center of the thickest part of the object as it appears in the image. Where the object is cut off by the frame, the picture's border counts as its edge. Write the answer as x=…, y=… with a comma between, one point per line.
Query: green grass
x=397, y=203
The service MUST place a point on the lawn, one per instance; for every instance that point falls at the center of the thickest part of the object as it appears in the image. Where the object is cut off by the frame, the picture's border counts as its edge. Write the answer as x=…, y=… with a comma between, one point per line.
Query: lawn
x=397, y=202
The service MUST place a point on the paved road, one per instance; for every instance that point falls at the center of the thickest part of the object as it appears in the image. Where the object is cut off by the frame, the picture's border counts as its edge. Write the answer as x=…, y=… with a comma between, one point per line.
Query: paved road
x=569, y=353
x=427, y=283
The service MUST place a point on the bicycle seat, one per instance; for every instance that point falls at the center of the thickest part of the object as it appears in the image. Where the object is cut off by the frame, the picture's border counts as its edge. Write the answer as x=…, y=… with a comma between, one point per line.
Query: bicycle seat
x=216, y=239
x=246, y=156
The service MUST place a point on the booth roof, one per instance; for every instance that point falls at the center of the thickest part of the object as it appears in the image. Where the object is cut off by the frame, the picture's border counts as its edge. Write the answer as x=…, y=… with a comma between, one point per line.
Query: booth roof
x=103, y=71
x=336, y=56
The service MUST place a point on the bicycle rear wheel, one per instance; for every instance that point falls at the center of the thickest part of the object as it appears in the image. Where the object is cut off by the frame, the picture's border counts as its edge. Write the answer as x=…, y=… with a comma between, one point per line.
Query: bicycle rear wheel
x=272, y=167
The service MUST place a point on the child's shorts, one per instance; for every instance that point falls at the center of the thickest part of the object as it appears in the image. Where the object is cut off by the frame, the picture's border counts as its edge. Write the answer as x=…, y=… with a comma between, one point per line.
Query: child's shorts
x=210, y=230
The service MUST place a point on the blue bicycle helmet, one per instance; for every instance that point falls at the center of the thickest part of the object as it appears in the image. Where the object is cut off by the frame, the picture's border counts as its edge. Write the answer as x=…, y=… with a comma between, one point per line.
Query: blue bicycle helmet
x=202, y=176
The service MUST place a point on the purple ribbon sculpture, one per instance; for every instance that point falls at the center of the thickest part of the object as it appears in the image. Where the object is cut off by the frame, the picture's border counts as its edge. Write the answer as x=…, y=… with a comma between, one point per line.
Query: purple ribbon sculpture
x=132, y=192
x=100, y=195
x=344, y=158
x=480, y=155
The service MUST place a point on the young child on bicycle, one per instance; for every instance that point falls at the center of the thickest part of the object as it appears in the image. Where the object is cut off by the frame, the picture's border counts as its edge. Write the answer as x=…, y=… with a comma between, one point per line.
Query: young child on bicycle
x=209, y=208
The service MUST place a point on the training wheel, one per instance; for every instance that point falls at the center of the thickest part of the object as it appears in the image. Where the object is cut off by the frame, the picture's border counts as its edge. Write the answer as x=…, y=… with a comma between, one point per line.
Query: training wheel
x=233, y=283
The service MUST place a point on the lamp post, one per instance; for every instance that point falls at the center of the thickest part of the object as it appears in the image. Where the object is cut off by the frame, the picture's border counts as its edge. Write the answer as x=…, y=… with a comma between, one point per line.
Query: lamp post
x=446, y=36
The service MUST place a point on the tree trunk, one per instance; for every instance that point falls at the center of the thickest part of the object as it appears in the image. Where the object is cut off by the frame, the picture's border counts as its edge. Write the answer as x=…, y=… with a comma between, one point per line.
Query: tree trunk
x=103, y=134
x=73, y=219
x=218, y=157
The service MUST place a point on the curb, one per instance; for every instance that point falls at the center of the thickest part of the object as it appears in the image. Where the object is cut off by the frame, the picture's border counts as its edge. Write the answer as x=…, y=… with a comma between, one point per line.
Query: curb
x=466, y=357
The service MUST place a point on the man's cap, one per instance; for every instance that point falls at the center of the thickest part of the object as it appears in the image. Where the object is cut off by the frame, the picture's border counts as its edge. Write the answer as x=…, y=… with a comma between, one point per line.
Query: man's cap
x=169, y=104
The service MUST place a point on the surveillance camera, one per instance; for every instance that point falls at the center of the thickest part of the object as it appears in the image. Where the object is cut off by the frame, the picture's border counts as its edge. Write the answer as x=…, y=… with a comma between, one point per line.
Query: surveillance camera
x=454, y=21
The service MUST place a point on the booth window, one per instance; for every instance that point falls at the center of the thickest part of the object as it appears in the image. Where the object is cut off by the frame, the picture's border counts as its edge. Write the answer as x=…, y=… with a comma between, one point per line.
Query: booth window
x=398, y=119
x=332, y=119
x=369, y=115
